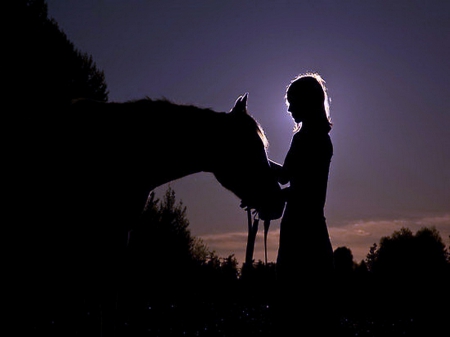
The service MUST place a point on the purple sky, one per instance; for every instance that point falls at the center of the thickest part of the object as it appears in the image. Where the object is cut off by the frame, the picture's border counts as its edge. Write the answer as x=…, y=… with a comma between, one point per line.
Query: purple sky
x=387, y=69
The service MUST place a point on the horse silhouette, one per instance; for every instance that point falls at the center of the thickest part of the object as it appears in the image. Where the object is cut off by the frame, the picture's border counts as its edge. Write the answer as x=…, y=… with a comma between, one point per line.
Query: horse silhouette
x=91, y=169
x=160, y=141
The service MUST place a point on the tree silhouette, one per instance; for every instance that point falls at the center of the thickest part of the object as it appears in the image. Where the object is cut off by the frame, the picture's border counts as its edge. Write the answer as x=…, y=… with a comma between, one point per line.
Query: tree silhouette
x=163, y=251
x=407, y=255
x=410, y=276
x=343, y=260
x=161, y=248
x=45, y=72
x=167, y=267
x=49, y=70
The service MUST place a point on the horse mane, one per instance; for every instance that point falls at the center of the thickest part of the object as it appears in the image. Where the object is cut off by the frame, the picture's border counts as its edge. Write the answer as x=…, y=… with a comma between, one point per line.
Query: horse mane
x=168, y=104
x=261, y=133
x=182, y=110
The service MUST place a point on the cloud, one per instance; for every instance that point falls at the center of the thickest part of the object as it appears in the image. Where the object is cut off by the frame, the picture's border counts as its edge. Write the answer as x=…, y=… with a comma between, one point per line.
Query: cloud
x=225, y=244
x=226, y=241
x=359, y=236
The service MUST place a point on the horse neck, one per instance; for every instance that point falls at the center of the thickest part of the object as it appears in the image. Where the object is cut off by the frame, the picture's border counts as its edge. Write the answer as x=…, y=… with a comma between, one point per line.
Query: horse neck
x=191, y=144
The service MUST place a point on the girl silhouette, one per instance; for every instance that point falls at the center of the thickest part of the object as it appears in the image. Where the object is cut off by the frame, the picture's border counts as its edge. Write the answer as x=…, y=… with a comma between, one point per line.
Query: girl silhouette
x=305, y=255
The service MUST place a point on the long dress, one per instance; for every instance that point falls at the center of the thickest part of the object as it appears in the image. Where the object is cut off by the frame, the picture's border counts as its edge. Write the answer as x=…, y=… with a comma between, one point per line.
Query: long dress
x=304, y=241
x=305, y=255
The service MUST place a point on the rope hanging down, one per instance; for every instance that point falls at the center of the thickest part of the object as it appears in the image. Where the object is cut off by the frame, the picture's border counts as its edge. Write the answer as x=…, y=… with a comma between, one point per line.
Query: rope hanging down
x=252, y=231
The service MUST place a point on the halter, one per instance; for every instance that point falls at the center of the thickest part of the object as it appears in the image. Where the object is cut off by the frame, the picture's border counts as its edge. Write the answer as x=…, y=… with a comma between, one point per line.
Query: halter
x=252, y=231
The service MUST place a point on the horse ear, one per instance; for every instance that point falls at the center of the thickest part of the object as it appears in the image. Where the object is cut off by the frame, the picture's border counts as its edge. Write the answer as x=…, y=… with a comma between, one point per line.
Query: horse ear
x=240, y=106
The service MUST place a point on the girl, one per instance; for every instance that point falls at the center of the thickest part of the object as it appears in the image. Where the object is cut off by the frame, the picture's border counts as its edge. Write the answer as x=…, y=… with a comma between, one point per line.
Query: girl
x=303, y=232
x=305, y=255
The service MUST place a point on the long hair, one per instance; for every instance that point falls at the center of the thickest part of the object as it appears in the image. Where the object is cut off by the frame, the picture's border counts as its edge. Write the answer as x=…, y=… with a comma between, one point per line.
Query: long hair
x=313, y=86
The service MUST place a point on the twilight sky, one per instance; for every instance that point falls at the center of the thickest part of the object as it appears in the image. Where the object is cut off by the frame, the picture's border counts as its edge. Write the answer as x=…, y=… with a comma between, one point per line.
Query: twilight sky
x=387, y=68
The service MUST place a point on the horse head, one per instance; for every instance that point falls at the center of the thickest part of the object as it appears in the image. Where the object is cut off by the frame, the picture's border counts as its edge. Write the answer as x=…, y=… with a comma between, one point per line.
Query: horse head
x=243, y=167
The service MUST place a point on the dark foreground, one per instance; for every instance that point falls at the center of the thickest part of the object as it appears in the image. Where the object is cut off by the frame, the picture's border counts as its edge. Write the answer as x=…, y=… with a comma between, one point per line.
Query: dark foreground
x=235, y=318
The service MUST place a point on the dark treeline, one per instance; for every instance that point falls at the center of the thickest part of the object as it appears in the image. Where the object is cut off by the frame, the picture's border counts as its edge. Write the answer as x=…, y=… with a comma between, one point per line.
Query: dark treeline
x=401, y=285
x=45, y=73
x=48, y=70
x=172, y=284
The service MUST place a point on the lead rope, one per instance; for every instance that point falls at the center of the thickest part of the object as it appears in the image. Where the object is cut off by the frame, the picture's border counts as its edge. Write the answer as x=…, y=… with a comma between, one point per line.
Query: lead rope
x=252, y=231
x=266, y=230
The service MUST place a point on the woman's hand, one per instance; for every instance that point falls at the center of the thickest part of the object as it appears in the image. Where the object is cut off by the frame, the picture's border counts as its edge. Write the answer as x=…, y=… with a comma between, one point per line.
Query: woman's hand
x=279, y=172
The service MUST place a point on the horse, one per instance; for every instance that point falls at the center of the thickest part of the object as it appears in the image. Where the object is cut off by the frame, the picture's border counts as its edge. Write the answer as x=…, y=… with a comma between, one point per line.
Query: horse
x=183, y=140
x=91, y=169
